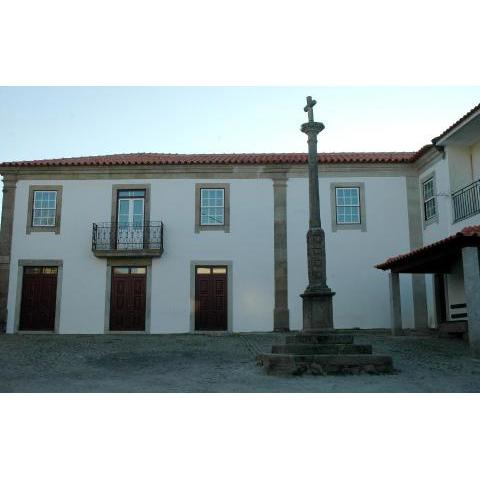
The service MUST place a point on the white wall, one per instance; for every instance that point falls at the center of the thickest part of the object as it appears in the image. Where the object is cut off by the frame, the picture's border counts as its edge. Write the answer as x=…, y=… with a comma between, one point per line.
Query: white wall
x=440, y=229
x=475, y=151
x=249, y=246
x=456, y=290
x=460, y=166
x=362, y=295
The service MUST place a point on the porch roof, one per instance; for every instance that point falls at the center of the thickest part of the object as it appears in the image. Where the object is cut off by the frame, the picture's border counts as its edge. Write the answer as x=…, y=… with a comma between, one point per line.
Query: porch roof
x=437, y=257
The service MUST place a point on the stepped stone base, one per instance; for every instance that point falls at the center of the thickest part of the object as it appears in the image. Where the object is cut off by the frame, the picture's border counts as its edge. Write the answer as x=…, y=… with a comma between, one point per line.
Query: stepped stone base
x=323, y=354
x=322, y=349
x=323, y=338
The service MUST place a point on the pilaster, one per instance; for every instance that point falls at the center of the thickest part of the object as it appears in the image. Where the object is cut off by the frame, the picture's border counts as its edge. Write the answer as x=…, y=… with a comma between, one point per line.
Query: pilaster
x=8, y=205
x=281, y=313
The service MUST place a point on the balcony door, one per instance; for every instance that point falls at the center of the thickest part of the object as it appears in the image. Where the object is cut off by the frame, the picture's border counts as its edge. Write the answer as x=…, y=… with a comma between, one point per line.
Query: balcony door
x=130, y=219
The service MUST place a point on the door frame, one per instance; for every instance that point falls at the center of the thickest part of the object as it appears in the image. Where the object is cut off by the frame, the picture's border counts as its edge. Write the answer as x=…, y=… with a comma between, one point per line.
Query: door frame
x=131, y=186
x=211, y=263
x=128, y=262
x=18, y=300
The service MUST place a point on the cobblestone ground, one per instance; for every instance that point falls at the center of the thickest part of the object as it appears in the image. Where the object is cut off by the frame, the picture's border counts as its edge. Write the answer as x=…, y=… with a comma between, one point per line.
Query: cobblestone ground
x=224, y=363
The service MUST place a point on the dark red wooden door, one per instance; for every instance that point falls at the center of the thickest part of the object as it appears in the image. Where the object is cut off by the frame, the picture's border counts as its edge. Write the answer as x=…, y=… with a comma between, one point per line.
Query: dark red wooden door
x=39, y=297
x=127, y=300
x=211, y=298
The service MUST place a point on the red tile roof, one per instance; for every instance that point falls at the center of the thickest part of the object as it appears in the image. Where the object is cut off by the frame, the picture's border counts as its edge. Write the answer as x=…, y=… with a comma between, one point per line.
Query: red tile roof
x=237, y=158
x=472, y=112
x=422, y=151
x=216, y=159
x=467, y=232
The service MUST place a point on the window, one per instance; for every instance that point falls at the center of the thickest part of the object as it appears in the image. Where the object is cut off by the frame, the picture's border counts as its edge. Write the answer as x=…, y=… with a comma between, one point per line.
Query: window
x=210, y=270
x=131, y=193
x=40, y=270
x=347, y=201
x=44, y=208
x=348, y=206
x=203, y=271
x=129, y=270
x=429, y=200
x=212, y=205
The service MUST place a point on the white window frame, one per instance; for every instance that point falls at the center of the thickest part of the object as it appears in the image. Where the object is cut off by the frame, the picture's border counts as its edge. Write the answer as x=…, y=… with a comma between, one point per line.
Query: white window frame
x=210, y=226
x=35, y=209
x=353, y=205
x=432, y=199
x=33, y=226
x=362, y=223
x=222, y=206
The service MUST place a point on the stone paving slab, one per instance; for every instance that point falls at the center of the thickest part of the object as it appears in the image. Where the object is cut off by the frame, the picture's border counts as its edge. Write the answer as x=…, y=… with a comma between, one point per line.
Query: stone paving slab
x=203, y=363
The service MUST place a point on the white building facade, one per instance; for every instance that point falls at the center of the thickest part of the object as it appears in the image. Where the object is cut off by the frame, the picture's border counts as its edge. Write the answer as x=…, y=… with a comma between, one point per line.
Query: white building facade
x=157, y=243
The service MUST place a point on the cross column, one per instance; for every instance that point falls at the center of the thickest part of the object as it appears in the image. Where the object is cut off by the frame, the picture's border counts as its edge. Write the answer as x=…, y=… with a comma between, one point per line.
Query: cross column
x=317, y=298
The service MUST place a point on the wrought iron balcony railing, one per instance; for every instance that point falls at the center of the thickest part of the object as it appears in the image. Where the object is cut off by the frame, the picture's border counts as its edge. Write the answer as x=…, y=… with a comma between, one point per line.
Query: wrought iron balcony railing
x=466, y=201
x=127, y=237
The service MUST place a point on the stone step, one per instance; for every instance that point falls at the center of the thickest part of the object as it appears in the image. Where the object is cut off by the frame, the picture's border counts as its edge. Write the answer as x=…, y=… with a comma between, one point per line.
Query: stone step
x=284, y=364
x=320, y=338
x=324, y=349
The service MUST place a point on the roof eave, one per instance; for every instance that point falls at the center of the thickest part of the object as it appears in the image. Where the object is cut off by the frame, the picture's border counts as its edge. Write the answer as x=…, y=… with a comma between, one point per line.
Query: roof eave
x=442, y=140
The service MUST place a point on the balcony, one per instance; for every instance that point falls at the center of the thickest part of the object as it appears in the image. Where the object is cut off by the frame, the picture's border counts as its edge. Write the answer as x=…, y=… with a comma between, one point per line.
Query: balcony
x=127, y=239
x=466, y=201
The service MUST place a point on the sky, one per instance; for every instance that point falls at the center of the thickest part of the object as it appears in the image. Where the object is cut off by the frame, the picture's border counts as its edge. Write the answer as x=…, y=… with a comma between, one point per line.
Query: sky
x=54, y=122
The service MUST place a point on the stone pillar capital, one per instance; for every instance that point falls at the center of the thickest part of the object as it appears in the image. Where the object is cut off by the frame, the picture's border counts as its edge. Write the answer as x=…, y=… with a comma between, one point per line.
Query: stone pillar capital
x=280, y=181
x=9, y=181
x=312, y=128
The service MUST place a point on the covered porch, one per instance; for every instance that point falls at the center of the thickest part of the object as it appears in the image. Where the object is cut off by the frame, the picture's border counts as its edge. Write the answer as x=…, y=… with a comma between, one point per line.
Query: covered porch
x=448, y=258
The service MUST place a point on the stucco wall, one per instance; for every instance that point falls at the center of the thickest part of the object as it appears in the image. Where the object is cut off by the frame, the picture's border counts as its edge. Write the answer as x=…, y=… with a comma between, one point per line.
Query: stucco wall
x=440, y=228
x=362, y=295
x=475, y=150
x=249, y=245
x=456, y=290
x=362, y=298
x=460, y=166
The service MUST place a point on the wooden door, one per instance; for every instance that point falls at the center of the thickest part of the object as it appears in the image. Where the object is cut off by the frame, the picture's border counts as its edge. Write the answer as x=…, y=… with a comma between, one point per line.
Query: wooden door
x=128, y=299
x=211, y=306
x=39, y=298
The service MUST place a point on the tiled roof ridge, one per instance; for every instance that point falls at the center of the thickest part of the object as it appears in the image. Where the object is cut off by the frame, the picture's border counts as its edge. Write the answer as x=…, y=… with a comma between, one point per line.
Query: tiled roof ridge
x=148, y=158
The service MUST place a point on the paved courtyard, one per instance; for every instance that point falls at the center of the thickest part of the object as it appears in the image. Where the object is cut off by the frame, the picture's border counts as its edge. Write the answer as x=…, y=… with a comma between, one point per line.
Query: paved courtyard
x=204, y=363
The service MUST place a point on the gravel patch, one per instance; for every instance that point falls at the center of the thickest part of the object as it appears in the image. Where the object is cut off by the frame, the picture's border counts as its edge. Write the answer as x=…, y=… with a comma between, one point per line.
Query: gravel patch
x=213, y=363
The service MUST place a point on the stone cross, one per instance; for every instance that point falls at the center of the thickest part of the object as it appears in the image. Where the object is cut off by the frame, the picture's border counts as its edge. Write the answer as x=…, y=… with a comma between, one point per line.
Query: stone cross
x=317, y=298
x=309, y=108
